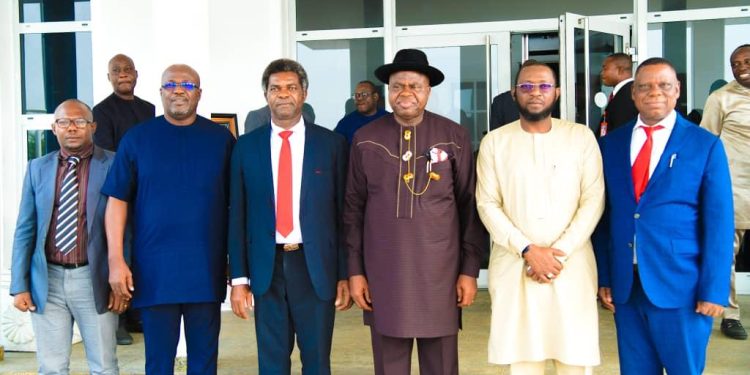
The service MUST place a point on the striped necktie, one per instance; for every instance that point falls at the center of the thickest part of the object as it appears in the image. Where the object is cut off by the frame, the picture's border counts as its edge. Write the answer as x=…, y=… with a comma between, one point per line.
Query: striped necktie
x=66, y=231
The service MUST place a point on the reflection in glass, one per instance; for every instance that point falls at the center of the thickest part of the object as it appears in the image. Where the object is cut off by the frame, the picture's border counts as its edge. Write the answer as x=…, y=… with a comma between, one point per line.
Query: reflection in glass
x=601, y=45
x=462, y=97
x=50, y=73
x=334, y=67
x=54, y=10
x=700, y=52
x=40, y=143
x=349, y=14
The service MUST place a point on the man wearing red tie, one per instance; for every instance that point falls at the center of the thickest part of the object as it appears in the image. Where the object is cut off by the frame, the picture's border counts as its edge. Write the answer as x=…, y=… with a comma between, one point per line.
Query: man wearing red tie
x=285, y=251
x=617, y=72
x=664, y=248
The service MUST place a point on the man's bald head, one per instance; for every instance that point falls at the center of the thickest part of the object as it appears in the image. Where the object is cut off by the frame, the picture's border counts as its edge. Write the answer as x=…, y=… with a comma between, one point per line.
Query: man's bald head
x=181, y=68
x=123, y=76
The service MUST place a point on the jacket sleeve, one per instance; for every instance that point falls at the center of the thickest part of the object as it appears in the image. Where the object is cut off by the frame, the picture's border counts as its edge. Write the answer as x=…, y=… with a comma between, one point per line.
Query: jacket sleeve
x=717, y=228
x=24, y=239
x=238, y=238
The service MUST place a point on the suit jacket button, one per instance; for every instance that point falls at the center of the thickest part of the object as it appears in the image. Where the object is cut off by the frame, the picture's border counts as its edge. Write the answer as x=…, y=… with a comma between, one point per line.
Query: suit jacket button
x=637, y=216
x=630, y=245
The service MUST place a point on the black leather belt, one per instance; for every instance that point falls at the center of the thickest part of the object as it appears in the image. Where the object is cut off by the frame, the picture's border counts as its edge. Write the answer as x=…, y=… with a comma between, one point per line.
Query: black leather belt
x=288, y=246
x=70, y=266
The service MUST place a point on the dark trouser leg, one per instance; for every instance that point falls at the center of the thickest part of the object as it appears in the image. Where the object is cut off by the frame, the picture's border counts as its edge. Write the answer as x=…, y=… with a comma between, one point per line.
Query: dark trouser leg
x=273, y=328
x=202, y=324
x=161, y=332
x=391, y=355
x=438, y=355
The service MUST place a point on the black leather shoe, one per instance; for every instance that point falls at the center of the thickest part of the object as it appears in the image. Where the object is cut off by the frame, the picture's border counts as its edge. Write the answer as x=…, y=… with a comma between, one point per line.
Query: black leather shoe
x=733, y=329
x=123, y=337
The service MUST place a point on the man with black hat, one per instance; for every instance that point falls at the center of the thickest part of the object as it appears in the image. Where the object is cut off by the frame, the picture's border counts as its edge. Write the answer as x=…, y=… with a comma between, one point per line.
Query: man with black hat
x=411, y=226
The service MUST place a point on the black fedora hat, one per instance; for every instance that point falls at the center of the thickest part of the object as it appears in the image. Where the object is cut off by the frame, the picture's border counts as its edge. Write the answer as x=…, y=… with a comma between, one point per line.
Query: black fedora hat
x=411, y=60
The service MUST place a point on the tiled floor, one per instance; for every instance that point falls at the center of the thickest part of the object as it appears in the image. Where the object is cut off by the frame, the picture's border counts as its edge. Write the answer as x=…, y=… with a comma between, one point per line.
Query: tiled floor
x=352, y=356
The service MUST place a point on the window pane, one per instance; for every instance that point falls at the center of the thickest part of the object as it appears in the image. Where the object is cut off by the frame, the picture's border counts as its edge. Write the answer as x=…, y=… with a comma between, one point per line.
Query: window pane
x=420, y=12
x=334, y=67
x=40, y=143
x=54, y=10
x=700, y=52
x=348, y=14
x=666, y=5
x=51, y=73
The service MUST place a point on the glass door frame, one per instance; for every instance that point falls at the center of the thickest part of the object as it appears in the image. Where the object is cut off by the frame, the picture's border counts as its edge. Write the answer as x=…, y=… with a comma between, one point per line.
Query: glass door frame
x=569, y=23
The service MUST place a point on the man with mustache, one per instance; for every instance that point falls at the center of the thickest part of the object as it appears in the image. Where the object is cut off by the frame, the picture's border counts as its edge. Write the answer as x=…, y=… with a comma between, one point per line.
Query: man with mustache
x=366, y=98
x=286, y=256
x=727, y=114
x=172, y=176
x=59, y=268
x=540, y=194
x=412, y=232
x=121, y=110
x=664, y=248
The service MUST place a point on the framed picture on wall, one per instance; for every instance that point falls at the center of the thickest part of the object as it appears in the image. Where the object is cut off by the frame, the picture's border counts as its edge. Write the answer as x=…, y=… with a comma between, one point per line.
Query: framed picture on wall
x=228, y=120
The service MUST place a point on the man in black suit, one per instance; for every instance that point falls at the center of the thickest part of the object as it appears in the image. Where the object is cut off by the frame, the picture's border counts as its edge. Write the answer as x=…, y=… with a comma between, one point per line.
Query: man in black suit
x=617, y=72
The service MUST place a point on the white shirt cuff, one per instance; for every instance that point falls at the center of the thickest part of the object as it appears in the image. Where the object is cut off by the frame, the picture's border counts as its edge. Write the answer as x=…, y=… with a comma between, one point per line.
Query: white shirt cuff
x=240, y=281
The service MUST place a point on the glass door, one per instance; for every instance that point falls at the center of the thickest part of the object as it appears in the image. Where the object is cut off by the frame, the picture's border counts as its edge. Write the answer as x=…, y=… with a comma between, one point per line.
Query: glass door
x=473, y=72
x=584, y=44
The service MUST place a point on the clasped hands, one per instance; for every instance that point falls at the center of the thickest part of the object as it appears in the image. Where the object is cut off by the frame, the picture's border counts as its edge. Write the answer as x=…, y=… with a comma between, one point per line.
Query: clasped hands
x=542, y=265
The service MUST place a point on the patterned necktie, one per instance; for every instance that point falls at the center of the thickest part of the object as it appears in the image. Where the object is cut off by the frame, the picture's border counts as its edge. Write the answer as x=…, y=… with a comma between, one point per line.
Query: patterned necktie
x=66, y=231
x=284, y=187
x=643, y=162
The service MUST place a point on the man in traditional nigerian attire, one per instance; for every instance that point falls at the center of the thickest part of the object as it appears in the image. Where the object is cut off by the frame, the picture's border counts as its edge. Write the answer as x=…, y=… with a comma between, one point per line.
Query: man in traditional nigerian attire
x=540, y=194
x=413, y=235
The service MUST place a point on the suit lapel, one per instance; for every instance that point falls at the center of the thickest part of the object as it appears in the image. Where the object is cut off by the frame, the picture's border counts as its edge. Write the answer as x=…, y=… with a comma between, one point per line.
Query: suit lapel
x=308, y=162
x=97, y=174
x=621, y=150
x=674, y=144
x=262, y=150
x=47, y=177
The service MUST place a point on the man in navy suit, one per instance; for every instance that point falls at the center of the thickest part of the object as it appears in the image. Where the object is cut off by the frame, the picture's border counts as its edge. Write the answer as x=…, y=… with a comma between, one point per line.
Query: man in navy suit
x=59, y=269
x=665, y=249
x=285, y=247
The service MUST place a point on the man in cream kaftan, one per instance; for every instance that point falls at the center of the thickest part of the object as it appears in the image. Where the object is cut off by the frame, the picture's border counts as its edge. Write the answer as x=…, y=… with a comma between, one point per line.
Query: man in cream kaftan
x=540, y=191
x=727, y=115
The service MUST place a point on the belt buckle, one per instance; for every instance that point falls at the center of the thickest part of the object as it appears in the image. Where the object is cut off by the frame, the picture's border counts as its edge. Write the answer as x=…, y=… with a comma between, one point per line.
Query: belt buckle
x=291, y=247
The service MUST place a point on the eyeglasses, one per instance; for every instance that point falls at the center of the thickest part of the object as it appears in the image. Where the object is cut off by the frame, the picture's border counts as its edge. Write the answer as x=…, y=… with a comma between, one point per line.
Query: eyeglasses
x=63, y=123
x=528, y=87
x=187, y=86
x=362, y=95
x=647, y=87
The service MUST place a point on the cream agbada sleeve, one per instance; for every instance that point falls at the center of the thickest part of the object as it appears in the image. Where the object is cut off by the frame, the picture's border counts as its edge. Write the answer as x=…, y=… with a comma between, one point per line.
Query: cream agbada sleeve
x=490, y=202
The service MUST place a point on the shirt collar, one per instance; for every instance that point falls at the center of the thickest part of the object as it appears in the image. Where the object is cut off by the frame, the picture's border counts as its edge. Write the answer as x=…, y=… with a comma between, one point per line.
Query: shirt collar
x=299, y=126
x=85, y=154
x=667, y=122
x=619, y=85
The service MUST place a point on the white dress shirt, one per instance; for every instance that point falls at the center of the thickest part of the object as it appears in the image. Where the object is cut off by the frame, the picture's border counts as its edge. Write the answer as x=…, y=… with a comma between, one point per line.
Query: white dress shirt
x=619, y=85
x=297, y=143
x=659, y=139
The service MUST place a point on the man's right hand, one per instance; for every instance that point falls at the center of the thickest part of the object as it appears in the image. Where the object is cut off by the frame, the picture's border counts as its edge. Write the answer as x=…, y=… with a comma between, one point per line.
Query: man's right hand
x=121, y=279
x=605, y=295
x=242, y=301
x=22, y=301
x=543, y=264
x=360, y=292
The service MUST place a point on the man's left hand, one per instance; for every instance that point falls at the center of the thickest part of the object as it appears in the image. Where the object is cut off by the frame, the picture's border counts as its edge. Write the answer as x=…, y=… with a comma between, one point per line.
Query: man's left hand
x=466, y=289
x=343, y=298
x=117, y=304
x=709, y=309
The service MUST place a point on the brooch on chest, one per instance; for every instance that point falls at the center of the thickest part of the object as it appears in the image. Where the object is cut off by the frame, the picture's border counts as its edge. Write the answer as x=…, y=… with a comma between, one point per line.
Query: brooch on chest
x=432, y=154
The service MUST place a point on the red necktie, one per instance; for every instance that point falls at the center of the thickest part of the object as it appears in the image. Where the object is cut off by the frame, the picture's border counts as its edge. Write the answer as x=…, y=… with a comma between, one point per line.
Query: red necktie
x=642, y=162
x=284, y=187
